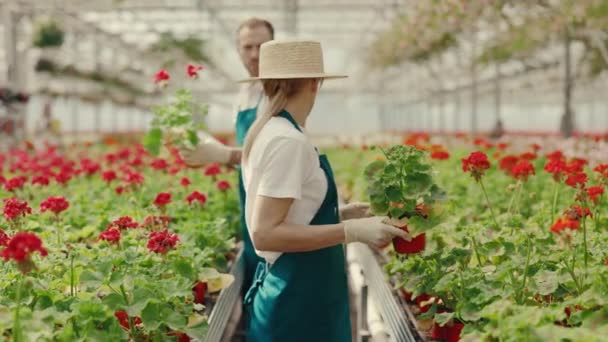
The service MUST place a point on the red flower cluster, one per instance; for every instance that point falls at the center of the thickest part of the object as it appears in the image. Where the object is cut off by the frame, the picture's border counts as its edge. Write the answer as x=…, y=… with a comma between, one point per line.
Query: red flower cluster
x=577, y=180
x=508, y=162
x=162, y=199
x=223, y=186
x=523, y=170
x=213, y=170
x=185, y=181
x=154, y=222
x=557, y=167
x=198, y=197
x=4, y=239
x=123, y=222
x=595, y=192
x=564, y=223
x=476, y=163
x=108, y=176
x=556, y=155
x=14, y=183
x=440, y=155
x=89, y=167
x=528, y=156
x=162, y=76
x=21, y=246
x=161, y=242
x=14, y=207
x=56, y=204
x=602, y=169
x=40, y=180
x=123, y=319
x=192, y=70
x=576, y=165
x=159, y=164
x=576, y=212
x=111, y=235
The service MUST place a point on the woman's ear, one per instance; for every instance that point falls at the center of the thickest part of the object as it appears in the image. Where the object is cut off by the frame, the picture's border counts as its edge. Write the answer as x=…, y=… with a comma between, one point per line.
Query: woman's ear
x=315, y=85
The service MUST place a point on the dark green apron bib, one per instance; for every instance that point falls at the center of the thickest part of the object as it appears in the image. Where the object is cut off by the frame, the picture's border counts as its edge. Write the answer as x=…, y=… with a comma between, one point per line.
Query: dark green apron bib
x=303, y=296
x=244, y=120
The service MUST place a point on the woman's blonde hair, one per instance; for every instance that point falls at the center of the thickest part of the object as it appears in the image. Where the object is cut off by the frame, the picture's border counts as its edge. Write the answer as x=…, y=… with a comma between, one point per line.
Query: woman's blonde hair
x=278, y=91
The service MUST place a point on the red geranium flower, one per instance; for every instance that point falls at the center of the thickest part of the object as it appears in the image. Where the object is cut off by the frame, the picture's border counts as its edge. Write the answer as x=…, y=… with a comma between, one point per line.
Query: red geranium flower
x=185, y=181
x=90, y=167
x=440, y=155
x=196, y=196
x=577, y=180
x=108, y=176
x=595, y=192
x=123, y=222
x=528, y=156
x=502, y=146
x=602, y=170
x=193, y=70
x=40, y=180
x=123, y=319
x=213, y=170
x=223, y=186
x=111, y=235
x=162, y=199
x=476, y=163
x=523, y=170
x=20, y=247
x=63, y=177
x=162, y=76
x=557, y=167
x=119, y=189
x=14, y=207
x=161, y=242
x=576, y=212
x=508, y=162
x=4, y=239
x=134, y=178
x=14, y=183
x=576, y=165
x=556, y=155
x=159, y=164
x=564, y=223
x=56, y=204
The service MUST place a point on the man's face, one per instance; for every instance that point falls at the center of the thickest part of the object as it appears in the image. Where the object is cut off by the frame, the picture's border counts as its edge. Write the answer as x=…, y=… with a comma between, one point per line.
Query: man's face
x=249, y=41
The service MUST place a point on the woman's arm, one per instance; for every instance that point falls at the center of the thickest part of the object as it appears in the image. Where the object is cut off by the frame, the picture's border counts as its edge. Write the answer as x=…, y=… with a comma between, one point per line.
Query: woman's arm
x=271, y=232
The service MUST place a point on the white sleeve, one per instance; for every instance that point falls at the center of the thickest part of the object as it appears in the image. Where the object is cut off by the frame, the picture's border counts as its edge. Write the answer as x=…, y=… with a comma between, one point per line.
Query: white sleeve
x=285, y=167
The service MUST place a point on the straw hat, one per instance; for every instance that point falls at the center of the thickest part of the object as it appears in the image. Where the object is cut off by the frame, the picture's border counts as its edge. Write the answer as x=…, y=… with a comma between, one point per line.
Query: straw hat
x=287, y=59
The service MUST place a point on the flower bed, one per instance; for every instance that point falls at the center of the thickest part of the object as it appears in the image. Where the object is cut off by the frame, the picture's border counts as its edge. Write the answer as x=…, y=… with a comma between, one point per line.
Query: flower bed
x=112, y=244
x=520, y=251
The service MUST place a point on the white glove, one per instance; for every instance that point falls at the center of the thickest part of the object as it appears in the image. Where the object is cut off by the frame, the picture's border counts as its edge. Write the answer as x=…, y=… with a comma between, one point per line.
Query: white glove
x=372, y=231
x=206, y=152
x=354, y=211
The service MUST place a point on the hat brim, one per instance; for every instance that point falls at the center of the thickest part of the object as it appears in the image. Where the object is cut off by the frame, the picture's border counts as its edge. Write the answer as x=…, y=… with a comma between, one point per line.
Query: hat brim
x=293, y=76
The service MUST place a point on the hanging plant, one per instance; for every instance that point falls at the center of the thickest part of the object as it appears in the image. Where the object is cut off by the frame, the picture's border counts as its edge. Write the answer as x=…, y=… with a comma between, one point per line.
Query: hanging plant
x=45, y=65
x=48, y=34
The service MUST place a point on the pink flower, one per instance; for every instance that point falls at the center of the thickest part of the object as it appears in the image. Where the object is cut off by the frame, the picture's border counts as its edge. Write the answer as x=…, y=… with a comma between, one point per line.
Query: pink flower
x=161, y=77
x=193, y=70
x=223, y=186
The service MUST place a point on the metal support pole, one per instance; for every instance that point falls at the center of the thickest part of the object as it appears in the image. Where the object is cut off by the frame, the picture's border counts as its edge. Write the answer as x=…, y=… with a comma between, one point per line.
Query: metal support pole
x=363, y=333
x=474, y=84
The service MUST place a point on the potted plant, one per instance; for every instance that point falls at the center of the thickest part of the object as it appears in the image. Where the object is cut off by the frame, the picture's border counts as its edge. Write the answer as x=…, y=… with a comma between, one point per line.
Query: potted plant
x=402, y=187
x=49, y=38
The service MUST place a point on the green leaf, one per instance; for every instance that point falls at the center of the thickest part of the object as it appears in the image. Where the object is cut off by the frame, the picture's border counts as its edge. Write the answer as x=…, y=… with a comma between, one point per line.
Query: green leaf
x=184, y=268
x=152, y=141
x=91, y=279
x=150, y=316
x=116, y=279
x=114, y=301
x=546, y=282
x=141, y=298
x=443, y=318
x=393, y=193
x=173, y=319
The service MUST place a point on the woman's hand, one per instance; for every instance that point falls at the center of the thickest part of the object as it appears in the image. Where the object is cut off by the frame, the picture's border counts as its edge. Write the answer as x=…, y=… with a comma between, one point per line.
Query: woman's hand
x=354, y=211
x=372, y=231
x=206, y=152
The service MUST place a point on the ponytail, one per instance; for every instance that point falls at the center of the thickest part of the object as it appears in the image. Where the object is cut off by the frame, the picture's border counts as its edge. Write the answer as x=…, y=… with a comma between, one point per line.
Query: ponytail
x=278, y=92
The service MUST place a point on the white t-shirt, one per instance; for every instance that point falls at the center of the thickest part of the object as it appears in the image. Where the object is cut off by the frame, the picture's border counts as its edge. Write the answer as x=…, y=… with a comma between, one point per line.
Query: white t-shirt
x=250, y=95
x=283, y=163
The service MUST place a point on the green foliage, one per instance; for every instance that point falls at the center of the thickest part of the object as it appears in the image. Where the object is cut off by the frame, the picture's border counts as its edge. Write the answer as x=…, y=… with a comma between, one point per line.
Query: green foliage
x=175, y=118
x=48, y=34
x=191, y=46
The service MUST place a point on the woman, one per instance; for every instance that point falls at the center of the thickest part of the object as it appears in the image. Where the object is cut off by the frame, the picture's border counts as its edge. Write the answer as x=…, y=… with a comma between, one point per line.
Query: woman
x=300, y=293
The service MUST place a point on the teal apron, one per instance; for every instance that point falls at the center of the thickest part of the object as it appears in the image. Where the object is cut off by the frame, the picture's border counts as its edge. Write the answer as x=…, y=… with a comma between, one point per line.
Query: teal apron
x=244, y=120
x=303, y=296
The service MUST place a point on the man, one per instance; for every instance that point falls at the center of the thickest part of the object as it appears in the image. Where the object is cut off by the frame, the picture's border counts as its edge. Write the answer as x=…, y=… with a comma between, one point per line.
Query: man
x=251, y=34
